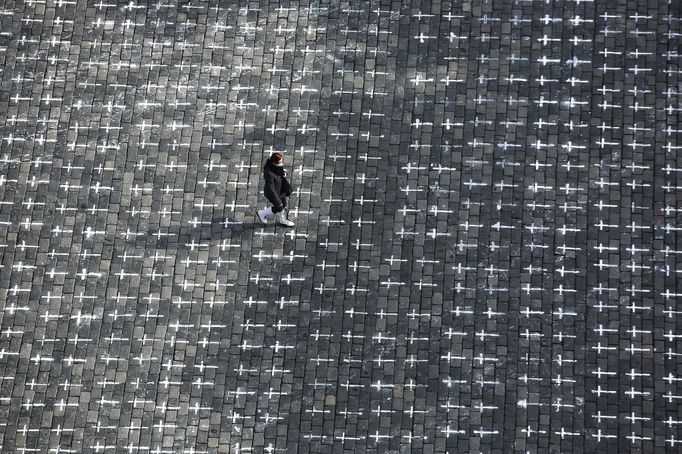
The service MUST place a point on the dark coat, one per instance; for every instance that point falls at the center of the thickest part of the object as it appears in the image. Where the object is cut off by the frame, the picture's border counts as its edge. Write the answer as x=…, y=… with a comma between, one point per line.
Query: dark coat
x=276, y=185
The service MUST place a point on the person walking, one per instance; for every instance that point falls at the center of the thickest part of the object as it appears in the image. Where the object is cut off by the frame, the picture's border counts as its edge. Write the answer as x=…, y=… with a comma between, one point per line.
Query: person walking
x=277, y=189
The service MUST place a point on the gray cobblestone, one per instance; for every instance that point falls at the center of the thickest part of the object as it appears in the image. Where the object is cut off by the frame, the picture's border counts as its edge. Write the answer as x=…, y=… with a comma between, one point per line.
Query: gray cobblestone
x=485, y=255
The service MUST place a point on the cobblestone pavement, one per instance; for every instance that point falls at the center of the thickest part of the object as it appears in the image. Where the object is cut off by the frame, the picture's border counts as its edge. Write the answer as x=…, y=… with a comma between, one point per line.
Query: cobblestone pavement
x=486, y=250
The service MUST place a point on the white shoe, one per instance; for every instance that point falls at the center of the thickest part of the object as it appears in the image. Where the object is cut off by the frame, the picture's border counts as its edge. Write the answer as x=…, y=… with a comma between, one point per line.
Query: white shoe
x=263, y=214
x=282, y=219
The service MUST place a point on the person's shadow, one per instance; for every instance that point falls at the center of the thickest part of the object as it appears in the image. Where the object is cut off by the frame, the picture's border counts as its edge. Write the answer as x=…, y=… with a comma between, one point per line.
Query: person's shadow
x=184, y=236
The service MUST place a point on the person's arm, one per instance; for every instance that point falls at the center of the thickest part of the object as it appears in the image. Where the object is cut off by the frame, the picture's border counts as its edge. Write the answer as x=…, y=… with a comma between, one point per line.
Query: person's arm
x=286, y=187
x=271, y=190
